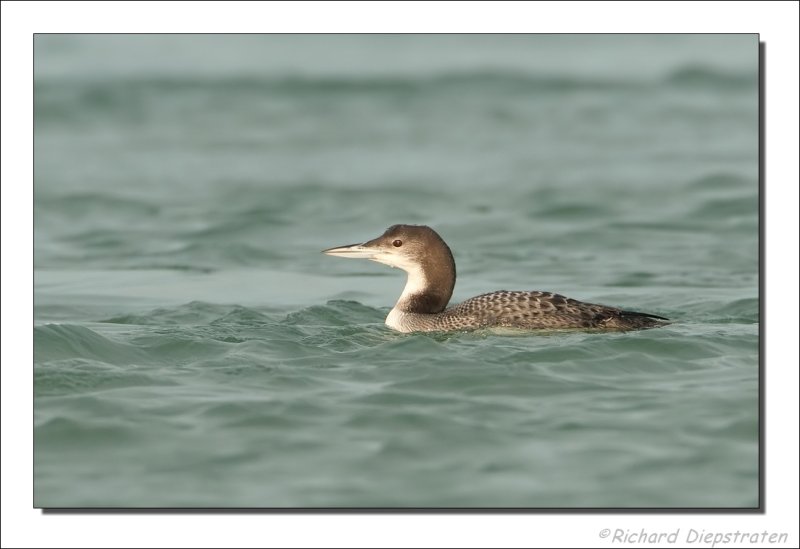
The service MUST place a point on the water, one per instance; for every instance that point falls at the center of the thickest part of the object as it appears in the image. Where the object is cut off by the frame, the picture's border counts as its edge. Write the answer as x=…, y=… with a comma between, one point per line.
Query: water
x=193, y=348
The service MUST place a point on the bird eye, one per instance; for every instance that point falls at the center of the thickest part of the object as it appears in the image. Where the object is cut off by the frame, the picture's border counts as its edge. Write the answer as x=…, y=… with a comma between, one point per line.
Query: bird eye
x=397, y=243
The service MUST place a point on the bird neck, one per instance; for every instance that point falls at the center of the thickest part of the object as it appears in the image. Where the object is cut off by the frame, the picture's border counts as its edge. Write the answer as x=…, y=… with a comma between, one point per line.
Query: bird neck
x=428, y=288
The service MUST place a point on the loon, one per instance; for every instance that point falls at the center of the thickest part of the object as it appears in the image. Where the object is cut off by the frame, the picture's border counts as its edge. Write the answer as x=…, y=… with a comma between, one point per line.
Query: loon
x=421, y=252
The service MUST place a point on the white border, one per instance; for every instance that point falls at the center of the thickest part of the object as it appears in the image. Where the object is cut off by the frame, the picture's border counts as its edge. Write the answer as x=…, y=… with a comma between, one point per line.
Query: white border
x=24, y=527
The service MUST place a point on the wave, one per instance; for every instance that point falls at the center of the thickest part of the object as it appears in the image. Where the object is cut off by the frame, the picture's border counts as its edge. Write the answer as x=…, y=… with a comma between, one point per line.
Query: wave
x=66, y=341
x=337, y=313
x=83, y=103
x=683, y=75
x=719, y=181
x=84, y=203
x=333, y=83
x=704, y=76
x=128, y=92
x=192, y=313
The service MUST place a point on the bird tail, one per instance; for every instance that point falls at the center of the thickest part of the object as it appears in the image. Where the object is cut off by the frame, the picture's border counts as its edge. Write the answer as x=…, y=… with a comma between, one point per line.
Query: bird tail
x=633, y=319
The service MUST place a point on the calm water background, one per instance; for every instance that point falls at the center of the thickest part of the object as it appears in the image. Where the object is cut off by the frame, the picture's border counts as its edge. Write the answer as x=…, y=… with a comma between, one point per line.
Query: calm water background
x=194, y=348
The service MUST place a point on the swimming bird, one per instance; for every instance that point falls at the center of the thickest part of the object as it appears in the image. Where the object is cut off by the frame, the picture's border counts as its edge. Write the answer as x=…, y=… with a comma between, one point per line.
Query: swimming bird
x=422, y=307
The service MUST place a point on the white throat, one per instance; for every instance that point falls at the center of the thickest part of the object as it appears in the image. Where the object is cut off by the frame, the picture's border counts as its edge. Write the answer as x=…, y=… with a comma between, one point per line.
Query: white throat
x=416, y=283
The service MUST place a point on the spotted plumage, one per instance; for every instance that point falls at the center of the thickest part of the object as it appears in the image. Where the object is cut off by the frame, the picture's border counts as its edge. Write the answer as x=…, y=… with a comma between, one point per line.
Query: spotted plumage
x=422, y=253
x=529, y=311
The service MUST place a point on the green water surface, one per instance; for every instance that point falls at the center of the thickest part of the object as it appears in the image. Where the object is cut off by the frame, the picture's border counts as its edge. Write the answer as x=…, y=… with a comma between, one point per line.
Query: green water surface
x=193, y=348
